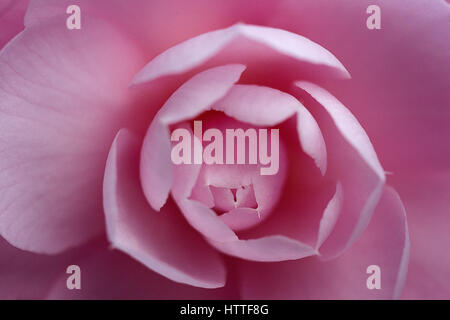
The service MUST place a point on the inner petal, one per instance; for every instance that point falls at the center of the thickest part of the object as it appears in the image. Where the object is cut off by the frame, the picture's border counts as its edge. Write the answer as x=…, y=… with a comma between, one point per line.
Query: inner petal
x=223, y=199
x=227, y=199
x=239, y=193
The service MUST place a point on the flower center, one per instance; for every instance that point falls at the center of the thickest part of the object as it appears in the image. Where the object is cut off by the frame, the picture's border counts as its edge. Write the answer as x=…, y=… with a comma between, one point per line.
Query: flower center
x=240, y=195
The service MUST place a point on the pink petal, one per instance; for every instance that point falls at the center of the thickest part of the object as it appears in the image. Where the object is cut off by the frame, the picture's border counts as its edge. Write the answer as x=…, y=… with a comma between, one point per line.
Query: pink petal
x=266, y=189
x=196, y=95
x=161, y=241
x=257, y=105
x=156, y=168
x=396, y=100
x=230, y=176
x=11, y=19
x=111, y=274
x=263, y=106
x=186, y=176
x=195, y=51
x=346, y=123
x=267, y=249
x=241, y=218
x=427, y=199
x=355, y=164
x=201, y=191
x=219, y=234
x=330, y=216
x=304, y=196
x=311, y=138
x=144, y=20
x=192, y=98
x=59, y=113
x=199, y=215
x=385, y=244
x=245, y=197
x=205, y=220
x=223, y=198
x=26, y=275
x=300, y=211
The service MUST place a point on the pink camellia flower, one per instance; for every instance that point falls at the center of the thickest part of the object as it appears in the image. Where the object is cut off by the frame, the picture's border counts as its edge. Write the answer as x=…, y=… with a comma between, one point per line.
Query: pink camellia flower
x=351, y=179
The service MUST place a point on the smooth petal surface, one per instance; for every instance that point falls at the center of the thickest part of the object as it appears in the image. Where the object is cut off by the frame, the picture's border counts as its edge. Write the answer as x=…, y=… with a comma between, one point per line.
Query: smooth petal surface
x=266, y=249
x=427, y=200
x=111, y=274
x=195, y=51
x=236, y=218
x=356, y=166
x=263, y=106
x=144, y=20
x=189, y=184
x=205, y=220
x=399, y=93
x=156, y=166
x=257, y=105
x=263, y=191
x=62, y=97
x=212, y=226
x=27, y=275
x=12, y=13
x=162, y=241
x=199, y=215
x=266, y=192
x=330, y=216
x=192, y=98
x=400, y=74
x=346, y=123
x=385, y=244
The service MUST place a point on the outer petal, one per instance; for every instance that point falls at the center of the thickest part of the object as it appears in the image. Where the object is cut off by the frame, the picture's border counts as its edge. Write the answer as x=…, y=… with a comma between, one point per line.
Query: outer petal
x=62, y=96
x=11, y=19
x=385, y=243
x=400, y=73
x=347, y=125
x=161, y=241
x=110, y=274
x=355, y=164
x=191, y=99
x=26, y=275
x=145, y=19
x=196, y=51
x=427, y=202
x=257, y=105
